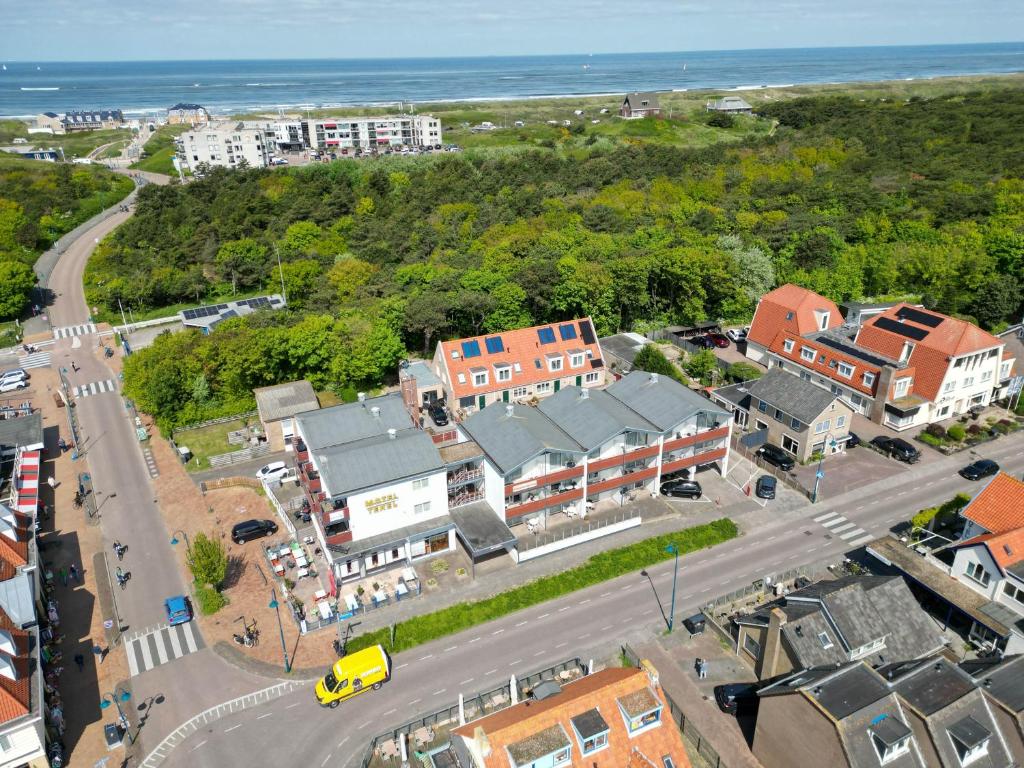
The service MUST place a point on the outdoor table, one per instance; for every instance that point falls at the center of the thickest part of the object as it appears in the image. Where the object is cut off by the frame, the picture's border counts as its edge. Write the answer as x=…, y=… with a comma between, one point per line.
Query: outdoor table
x=279, y=569
x=380, y=596
x=422, y=735
x=401, y=589
x=325, y=610
x=408, y=574
x=351, y=602
x=301, y=561
x=285, y=552
x=302, y=572
x=320, y=594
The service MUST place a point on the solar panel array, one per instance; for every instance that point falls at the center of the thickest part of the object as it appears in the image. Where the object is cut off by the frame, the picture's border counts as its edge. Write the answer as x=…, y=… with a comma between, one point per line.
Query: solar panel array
x=194, y=314
x=910, y=331
x=494, y=345
x=471, y=348
x=587, y=331
x=568, y=331
x=923, y=318
x=546, y=335
x=258, y=302
x=851, y=350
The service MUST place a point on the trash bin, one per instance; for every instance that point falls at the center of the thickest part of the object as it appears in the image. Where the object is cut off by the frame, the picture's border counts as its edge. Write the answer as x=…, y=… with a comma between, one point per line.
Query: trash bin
x=695, y=624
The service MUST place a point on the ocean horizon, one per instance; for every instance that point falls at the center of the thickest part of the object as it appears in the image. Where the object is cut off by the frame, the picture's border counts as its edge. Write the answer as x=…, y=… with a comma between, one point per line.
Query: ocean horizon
x=228, y=86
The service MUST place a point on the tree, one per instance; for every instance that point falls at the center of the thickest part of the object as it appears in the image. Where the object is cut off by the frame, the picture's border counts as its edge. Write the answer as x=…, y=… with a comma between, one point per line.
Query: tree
x=653, y=360
x=997, y=301
x=755, y=271
x=16, y=283
x=721, y=120
x=207, y=560
x=242, y=261
x=13, y=223
x=348, y=275
x=300, y=279
x=426, y=313
x=701, y=365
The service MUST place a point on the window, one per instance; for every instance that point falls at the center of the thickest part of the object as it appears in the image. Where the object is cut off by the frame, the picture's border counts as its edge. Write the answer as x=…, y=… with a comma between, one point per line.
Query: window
x=977, y=572
x=751, y=646
x=822, y=426
x=790, y=315
x=840, y=421
x=908, y=350
x=1004, y=370
x=466, y=402
x=591, y=377
x=949, y=387
x=846, y=370
x=824, y=317
x=562, y=757
x=504, y=373
x=787, y=345
x=462, y=378
x=986, y=375
x=968, y=753
x=542, y=388
x=422, y=508
x=480, y=379
x=595, y=743
x=791, y=445
x=576, y=360
x=795, y=424
x=5, y=743
x=806, y=353
x=1013, y=592
x=761, y=424
x=779, y=415
x=968, y=381
x=555, y=363
x=762, y=406
x=520, y=392
x=639, y=723
x=824, y=640
x=420, y=483
x=889, y=752
x=902, y=386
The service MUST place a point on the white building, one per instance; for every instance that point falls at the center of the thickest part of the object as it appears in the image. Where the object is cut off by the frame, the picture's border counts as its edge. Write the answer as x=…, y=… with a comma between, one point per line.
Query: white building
x=366, y=133
x=228, y=144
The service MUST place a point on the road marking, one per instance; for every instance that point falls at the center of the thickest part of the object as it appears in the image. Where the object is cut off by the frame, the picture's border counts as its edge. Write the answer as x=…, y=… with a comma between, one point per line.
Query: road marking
x=197, y=746
x=626, y=621
x=360, y=727
x=606, y=628
x=414, y=701
x=858, y=509
x=584, y=636
x=861, y=541
x=843, y=527
x=468, y=681
x=293, y=705
x=522, y=623
x=605, y=594
x=233, y=727
x=325, y=760
x=771, y=538
x=648, y=612
x=853, y=533
x=438, y=693
x=543, y=616
x=161, y=649
x=147, y=656
x=497, y=632
x=811, y=550
x=175, y=644
x=561, y=645
x=513, y=663
x=837, y=521
x=390, y=712
x=424, y=658
x=826, y=516
x=346, y=738
x=406, y=664
x=133, y=665
x=563, y=609
x=538, y=653
x=625, y=588
x=706, y=589
x=584, y=602
x=916, y=488
x=190, y=640
x=450, y=648
x=475, y=639
x=902, y=493
x=268, y=714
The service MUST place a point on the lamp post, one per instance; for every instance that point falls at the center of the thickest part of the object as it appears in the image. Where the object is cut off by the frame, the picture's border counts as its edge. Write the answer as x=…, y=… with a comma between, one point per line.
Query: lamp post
x=830, y=442
x=174, y=540
x=673, y=549
x=277, y=607
x=116, y=698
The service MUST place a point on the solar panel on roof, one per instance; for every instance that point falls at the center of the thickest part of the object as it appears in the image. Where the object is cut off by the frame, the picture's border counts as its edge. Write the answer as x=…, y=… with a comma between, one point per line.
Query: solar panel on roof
x=494, y=345
x=471, y=348
x=567, y=331
x=188, y=314
x=546, y=335
x=910, y=331
x=587, y=332
x=924, y=318
x=851, y=350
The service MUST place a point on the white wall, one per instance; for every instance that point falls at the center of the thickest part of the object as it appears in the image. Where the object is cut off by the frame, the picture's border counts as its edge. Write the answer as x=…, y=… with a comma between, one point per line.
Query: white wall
x=365, y=523
x=977, y=554
x=26, y=743
x=494, y=488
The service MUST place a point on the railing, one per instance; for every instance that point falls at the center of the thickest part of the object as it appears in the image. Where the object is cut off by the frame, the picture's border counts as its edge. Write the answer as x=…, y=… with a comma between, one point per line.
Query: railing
x=543, y=503
x=314, y=622
x=700, y=437
x=569, y=531
x=464, y=476
x=568, y=473
x=211, y=422
x=466, y=497
x=237, y=457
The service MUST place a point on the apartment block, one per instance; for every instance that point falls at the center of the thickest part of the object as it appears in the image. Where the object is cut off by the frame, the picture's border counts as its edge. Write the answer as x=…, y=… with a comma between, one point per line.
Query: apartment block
x=368, y=133
x=225, y=144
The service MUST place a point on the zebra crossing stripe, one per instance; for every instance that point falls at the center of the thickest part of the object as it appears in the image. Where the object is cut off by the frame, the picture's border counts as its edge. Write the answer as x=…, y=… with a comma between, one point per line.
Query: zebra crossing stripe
x=34, y=360
x=826, y=516
x=861, y=541
x=133, y=665
x=94, y=388
x=837, y=521
x=68, y=331
x=844, y=527
x=189, y=639
x=850, y=534
x=175, y=643
x=147, y=656
x=161, y=651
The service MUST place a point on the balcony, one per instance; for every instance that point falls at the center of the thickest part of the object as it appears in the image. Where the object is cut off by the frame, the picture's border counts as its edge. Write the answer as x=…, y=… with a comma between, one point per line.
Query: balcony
x=464, y=475
x=625, y=479
x=700, y=437
x=543, y=502
x=557, y=476
x=627, y=455
x=464, y=496
x=692, y=461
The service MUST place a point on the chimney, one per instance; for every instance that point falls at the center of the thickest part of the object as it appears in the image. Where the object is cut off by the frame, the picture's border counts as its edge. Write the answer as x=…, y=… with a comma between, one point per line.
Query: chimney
x=510, y=410
x=362, y=397
x=772, y=655
x=482, y=742
x=654, y=378
x=391, y=433
x=584, y=394
x=375, y=411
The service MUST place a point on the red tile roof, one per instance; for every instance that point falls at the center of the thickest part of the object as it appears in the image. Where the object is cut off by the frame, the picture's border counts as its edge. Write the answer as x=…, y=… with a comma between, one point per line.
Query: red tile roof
x=999, y=506
x=524, y=347
x=600, y=690
x=15, y=695
x=773, y=314
x=856, y=382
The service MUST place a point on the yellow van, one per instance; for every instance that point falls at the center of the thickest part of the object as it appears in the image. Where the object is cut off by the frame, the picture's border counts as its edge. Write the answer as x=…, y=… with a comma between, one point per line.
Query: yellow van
x=353, y=674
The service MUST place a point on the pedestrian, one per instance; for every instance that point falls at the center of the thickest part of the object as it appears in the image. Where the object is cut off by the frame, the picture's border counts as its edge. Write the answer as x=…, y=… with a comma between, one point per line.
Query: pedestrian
x=703, y=669
x=63, y=575
x=80, y=661
x=52, y=482
x=73, y=572
x=119, y=550
x=100, y=652
x=62, y=444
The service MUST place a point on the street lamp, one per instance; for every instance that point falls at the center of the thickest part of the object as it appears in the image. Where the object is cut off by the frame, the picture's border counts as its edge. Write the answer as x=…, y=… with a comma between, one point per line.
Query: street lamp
x=276, y=606
x=830, y=442
x=117, y=698
x=673, y=549
x=174, y=540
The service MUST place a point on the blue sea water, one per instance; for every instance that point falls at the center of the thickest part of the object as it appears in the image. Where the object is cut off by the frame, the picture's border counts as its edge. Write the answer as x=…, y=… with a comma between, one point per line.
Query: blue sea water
x=27, y=88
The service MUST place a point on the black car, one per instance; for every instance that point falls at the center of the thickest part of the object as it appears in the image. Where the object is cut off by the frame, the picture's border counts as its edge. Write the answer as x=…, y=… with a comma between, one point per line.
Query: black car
x=437, y=413
x=687, y=489
x=979, y=469
x=703, y=342
x=853, y=441
x=896, y=448
x=765, y=488
x=736, y=698
x=252, y=529
x=776, y=457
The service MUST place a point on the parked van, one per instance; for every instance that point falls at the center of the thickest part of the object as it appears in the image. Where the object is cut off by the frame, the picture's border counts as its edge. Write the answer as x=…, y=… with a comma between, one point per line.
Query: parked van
x=353, y=674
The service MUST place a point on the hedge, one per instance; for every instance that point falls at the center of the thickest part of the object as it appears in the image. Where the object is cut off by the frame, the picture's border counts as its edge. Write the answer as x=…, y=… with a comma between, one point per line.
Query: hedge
x=597, y=568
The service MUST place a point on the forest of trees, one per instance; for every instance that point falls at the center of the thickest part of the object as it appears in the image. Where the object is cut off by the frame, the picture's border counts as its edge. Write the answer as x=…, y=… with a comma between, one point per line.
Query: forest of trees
x=853, y=199
x=39, y=202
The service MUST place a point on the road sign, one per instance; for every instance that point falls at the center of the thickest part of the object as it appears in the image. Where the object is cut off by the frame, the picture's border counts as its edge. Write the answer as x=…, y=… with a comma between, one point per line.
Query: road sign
x=819, y=474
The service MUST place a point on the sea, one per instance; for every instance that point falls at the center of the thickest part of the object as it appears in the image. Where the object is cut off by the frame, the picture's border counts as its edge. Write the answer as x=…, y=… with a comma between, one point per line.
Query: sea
x=150, y=87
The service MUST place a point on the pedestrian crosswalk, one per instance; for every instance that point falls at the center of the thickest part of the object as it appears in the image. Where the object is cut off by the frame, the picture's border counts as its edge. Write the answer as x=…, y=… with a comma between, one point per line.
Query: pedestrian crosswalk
x=34, y=360
x=67, y=331
x=839, y=526
x=161, y=645
x=94, y=388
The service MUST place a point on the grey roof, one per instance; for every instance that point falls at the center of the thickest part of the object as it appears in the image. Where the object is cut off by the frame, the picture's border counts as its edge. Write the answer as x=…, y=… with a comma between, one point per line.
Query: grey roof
x=624, y=347
x=662, y=401
x=395, y=536
x=890, y=730
x=210, y=316
x=969, y=731
x=849, y=691
x=182, y=106
x=282, y=401
x=480, y=528
x=512, y=440
x=970, y=718
x=1016, y=569
x=353, y=421
x=933, y=685
x=592, y=416
x=589, y=724
x=1002, y=679
x=421, y=372
x=374, y=461
x=791, y=394
x=737, y=394
x=23, y=431
x=17, y=598
x=881, y=720
x=636, y=98
x=728, y=104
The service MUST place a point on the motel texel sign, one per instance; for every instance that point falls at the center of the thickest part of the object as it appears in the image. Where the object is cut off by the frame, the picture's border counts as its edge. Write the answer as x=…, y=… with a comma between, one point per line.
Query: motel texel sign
x=382, y=503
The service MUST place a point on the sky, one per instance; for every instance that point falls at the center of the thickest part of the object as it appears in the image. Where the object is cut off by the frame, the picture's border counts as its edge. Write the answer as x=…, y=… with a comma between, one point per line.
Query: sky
x=110, y=30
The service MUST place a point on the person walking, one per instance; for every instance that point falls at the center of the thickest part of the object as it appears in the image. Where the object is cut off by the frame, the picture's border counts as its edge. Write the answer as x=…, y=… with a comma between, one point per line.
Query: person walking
x=119, y=550
x=80, y=661
x=73, y=572
x=63, y=575
x=52, y=482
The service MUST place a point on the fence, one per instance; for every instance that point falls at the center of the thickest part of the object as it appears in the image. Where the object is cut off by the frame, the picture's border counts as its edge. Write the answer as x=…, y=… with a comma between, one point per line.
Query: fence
x=211, y=422
x=237, y=457
x=570, y=531
x=784, y=477
x=686, y=726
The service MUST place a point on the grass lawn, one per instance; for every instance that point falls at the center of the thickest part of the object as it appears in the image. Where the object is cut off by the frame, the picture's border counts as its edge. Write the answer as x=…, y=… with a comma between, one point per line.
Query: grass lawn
x=209, y=441
x=114, y=150
x=158, y=152
x=10, y=334
x=600, y=567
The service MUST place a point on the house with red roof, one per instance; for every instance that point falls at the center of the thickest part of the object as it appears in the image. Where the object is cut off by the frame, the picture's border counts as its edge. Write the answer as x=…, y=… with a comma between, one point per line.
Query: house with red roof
x=517, y=366
x=902, y=367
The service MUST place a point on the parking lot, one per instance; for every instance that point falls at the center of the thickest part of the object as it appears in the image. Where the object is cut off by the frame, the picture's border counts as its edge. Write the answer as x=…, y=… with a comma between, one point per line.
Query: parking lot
x=849, y=470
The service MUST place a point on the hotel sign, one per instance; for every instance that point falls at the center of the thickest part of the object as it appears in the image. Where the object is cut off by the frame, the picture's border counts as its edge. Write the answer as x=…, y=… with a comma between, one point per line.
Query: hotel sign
x=382, y=503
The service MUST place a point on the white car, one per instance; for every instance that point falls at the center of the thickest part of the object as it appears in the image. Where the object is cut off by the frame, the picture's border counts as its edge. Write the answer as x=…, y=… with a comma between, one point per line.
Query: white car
x=15, y=374
x=737, y=334
x=10, y=385
x=275, y=470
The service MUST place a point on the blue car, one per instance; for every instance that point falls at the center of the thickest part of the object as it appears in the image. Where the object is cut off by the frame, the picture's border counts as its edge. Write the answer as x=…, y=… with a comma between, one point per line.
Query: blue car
x=179, y=610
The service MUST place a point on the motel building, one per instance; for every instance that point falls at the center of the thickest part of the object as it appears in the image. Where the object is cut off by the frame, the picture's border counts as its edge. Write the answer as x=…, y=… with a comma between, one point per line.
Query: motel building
x=386, y=493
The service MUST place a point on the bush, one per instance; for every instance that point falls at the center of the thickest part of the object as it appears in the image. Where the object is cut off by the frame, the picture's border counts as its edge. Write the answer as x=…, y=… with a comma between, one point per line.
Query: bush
x=721, y=120
x=1001, y=427
x=653, y=360
x=207, y=560
x=743, y=372
x=930, y=439
x=974, y=429
x=936, y=430
x=956, y=433
x=209, y=599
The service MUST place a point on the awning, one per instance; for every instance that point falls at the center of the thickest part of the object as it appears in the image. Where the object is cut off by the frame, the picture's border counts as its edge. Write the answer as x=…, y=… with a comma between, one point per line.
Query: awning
x=397, y=537
x=903, y=410
x=480, y=529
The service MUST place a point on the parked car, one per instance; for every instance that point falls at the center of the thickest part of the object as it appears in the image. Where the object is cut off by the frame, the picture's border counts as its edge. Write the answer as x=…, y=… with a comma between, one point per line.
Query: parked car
x=686, y=489
x=719, y=340
x=853, y=441
x=765, y=488
x=14, y=373
x=437, y=413
x=178, y=609
x=776, y=457
x=273, y=471
x=979, y=469
x=737, y=334
x=10, y=385
x=252, y=529
x=896, y=448
x=736, y=698
x=704, y=342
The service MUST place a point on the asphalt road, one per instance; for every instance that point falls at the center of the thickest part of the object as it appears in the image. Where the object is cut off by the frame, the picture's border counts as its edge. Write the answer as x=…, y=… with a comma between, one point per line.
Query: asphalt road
x=589, y=623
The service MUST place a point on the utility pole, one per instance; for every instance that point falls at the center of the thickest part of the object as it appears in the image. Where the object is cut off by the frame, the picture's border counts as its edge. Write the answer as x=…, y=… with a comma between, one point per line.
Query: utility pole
x=675, y=573
x=280, y=271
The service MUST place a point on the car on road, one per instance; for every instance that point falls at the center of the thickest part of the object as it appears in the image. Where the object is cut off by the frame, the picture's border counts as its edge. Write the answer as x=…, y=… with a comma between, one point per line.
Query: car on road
x=719, y=340
x=280, y=161
x=737, y=334
x=736, y=698
x=685, y=489
x=353, y=674
x=437, y=413
x=765, y=488
x=178, y=610
x=896, y=448
x=10, y=385
x=252, y=529
x=852, y=441
x=979, y=469
x=776, y=457
x=275, y=470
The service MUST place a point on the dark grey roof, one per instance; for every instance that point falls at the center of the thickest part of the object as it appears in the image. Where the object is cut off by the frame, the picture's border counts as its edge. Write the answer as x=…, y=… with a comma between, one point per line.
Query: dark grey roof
x=890, y=730
x=512, y=433
x=282, y=401
x=880, y=721
x=933, y=685
x=589, y=724
x=592, y=416
x=737, y=394
x=1002, y=679
x=969, y=731
x=624, y=347
x=728, y=104
x=480, y=528
x=636, y=98
x=662, y=401
x=23, y=431
x=183, y=107
x=1016, y=569
x=397, y=536
x=970, y=718
x=813, y=641
x=791, y=394
x=353, y=421
x=375, y=461
x=849, y=691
